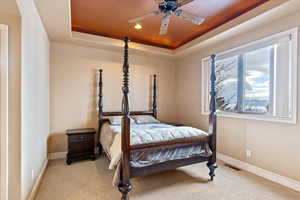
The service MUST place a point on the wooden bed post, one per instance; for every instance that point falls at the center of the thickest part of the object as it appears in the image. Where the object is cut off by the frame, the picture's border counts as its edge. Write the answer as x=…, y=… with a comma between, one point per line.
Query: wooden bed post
x=125, y=185
x=212, y=127
x=100, y=110
x=100, y=105
x=154, y=103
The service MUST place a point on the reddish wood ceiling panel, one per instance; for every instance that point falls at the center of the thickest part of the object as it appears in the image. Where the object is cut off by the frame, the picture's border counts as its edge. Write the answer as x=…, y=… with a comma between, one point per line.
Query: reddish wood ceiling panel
x=110, y=18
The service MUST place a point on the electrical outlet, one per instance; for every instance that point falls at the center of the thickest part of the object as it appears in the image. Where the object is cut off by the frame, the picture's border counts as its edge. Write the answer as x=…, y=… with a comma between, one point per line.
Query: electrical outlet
x=248, y=153
x=32, y=174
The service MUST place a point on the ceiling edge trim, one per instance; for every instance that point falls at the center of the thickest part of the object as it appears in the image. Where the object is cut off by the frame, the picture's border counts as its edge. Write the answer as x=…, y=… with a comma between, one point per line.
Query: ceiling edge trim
x=110, y=43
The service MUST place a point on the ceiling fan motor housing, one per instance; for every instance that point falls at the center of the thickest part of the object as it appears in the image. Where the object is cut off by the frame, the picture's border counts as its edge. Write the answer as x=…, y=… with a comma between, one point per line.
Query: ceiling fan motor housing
x=168, y=6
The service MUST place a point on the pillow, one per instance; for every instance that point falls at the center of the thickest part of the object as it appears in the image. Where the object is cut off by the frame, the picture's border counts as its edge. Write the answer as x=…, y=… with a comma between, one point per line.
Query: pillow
x=117, y=120
x=144, y=119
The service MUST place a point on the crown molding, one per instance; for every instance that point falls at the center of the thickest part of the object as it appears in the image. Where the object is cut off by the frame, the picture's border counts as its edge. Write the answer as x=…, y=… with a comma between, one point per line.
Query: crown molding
x=115, y=44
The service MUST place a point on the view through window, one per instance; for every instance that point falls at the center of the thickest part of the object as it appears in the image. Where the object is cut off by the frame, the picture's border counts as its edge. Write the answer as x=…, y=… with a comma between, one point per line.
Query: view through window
x=244, y=82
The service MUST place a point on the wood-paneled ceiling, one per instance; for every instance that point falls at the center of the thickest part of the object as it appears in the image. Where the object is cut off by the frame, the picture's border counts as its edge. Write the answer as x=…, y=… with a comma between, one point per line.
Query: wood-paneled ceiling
x=110, y=18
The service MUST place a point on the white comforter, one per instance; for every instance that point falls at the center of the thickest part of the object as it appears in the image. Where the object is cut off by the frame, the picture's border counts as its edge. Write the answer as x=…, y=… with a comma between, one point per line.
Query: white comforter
x=110, y=139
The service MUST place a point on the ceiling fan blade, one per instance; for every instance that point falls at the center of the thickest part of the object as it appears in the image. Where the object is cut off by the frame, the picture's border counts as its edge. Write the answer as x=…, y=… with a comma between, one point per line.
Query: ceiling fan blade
x=183, y=2
x=164, y=24
x=189, y=17
x=137, y=19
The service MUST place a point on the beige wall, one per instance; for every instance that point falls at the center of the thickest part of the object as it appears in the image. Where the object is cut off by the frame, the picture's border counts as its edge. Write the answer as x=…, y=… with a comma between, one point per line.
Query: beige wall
x=274, y=146
x=73, y=87
x=14, y=165
x=34, y=95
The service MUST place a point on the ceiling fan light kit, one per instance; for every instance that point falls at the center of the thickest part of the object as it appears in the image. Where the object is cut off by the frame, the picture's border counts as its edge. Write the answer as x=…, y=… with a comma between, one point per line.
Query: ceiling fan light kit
x=138, y=26
x=169, y=7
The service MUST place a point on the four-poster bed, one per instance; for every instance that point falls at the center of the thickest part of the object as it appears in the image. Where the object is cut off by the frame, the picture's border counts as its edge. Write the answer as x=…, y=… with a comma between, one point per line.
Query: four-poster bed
x=203, y=145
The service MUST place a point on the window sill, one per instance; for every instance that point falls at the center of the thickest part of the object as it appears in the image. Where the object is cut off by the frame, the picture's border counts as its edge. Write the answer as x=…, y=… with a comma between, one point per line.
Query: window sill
x=291, y=120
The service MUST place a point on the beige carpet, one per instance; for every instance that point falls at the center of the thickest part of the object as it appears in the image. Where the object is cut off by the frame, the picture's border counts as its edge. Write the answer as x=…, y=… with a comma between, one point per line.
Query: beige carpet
x=89, y=180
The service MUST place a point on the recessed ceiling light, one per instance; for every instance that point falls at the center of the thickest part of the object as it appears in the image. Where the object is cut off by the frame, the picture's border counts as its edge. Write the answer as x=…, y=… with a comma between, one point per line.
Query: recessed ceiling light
x=138, y=26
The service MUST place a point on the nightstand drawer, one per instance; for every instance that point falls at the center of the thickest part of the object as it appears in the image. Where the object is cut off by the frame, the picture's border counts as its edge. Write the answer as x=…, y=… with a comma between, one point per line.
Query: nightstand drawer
x=81, y=138
x=81, y=147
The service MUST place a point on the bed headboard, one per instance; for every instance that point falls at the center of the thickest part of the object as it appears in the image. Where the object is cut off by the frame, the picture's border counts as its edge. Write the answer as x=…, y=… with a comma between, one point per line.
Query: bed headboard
x=152, y=112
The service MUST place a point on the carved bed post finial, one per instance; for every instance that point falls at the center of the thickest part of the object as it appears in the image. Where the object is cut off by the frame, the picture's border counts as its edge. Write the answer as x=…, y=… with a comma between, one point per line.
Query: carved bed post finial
x=125, y=89
x=212, y=127
x=154, y=104
x=125, y=185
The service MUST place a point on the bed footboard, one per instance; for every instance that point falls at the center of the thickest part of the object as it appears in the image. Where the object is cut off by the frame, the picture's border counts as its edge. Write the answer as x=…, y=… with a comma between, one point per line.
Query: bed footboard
x=171, y=143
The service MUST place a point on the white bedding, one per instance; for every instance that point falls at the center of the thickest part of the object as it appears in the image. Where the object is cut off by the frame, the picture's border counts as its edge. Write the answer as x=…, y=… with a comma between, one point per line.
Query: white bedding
x=109, y=132
x=110, y=139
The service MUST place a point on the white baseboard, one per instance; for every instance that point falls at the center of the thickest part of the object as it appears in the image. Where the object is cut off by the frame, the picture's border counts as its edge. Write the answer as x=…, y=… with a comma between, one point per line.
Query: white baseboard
x=57, y=155
x=282, y=180
x=37, y=182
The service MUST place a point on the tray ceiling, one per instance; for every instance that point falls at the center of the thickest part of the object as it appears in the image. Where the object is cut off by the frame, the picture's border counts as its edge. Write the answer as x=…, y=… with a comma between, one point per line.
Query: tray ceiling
x=109, y=18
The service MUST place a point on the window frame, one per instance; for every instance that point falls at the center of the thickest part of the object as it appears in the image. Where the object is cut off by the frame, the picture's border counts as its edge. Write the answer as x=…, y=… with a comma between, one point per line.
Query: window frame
x=293, y=60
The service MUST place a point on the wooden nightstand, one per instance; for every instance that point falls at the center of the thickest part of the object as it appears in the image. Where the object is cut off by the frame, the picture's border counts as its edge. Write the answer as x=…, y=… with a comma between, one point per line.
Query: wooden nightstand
x=81, y=144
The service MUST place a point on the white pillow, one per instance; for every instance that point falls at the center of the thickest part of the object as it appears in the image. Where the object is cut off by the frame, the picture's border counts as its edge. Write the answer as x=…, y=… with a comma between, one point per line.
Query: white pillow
x=144, y=119
x=117, y=120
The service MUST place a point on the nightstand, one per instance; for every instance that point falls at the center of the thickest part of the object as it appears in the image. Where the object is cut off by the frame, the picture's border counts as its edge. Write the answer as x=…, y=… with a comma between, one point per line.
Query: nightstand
x=81, y=144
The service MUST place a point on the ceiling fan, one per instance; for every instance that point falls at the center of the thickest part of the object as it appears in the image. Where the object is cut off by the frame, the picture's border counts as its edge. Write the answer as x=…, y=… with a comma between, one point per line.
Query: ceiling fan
x=169, y=7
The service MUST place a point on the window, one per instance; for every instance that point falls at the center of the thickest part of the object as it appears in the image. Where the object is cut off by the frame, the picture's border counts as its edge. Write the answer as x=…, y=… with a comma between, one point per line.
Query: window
x=244, y=81
x=257, y=80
